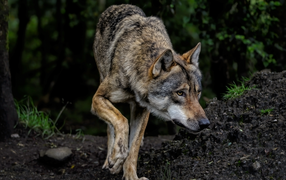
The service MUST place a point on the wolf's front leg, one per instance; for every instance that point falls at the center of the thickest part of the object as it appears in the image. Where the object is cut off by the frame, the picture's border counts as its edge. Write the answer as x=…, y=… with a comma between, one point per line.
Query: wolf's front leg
x=103, y=108
x=138, y=123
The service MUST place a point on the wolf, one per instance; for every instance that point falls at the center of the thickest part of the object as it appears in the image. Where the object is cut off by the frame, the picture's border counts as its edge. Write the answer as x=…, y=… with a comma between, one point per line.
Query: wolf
x=137, y=65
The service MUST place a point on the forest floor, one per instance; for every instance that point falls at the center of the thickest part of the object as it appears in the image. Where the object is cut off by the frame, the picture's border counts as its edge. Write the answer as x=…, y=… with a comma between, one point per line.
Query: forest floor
x=246, y=140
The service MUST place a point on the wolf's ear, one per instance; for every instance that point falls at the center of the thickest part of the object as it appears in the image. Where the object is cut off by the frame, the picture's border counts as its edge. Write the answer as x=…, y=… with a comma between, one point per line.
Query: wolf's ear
x=192, y=56
x=163, y=62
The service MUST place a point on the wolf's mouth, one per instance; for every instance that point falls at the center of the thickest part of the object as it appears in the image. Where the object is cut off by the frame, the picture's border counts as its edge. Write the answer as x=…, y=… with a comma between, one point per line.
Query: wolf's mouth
x=179, y=123
x=195, y=133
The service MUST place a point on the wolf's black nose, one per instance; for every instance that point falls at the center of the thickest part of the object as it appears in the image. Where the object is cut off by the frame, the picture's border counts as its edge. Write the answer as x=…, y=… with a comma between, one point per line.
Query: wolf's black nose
x=204, y=123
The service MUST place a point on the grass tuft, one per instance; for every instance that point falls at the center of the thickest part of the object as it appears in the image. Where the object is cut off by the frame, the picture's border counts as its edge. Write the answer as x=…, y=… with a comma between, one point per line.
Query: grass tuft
x=234, y=91
x=165, y=172
x=38, y=121
x=266, y=111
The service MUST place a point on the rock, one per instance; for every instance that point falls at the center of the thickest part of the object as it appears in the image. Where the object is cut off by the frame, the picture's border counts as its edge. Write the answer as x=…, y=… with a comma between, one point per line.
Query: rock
x=15, y=136
x=55, y=156
x=256, y=165
x=59, y=153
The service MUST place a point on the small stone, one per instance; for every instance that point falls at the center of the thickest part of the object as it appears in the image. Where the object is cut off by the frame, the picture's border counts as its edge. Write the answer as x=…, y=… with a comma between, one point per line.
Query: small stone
x=59, y=153
x=15, y=136
x=244, y=157
x=55, y=156
x=256, y=165
x=61, y=171
x=96, y=163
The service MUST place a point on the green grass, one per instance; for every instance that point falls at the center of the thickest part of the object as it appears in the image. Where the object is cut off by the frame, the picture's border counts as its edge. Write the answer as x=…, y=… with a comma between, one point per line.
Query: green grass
x=79, y=134
x=266, y=111
x=165, y=171
x=234, y=91
x=38, y=121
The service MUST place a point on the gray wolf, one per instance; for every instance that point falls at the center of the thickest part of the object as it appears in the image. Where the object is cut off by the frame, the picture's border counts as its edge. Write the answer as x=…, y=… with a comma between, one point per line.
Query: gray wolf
x=137, y=65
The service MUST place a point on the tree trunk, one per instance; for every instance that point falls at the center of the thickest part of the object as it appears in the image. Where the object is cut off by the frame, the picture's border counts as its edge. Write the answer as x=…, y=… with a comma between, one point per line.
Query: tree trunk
x=8, y=114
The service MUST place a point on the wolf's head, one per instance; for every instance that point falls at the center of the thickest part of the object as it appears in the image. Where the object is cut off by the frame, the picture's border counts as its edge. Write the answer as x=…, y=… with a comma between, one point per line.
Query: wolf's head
x=175, y=89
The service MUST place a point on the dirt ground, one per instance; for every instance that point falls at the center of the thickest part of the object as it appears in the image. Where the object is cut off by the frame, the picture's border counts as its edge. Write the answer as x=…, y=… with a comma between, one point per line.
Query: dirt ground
x=242, y=142
x=20, y=156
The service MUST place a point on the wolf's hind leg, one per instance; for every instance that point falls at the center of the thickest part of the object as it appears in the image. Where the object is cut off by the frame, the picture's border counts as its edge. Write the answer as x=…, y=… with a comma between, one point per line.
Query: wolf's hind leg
x=103, y=108
x=110, y=142
x=138, y=123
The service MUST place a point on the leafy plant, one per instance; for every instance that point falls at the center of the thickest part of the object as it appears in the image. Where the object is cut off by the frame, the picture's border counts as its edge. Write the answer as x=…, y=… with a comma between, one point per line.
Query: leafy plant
x=266, y=111
x=240, y=37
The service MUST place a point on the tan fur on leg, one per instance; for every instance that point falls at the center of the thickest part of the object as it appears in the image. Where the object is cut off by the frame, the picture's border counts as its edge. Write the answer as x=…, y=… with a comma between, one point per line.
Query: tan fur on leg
x=110, y=142
x=139, y=120
x=107, y=112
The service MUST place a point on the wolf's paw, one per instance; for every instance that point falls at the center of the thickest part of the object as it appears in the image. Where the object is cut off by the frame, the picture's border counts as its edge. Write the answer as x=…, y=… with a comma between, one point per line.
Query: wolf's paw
x=134, y=178
x=117, y=159
x=115, y=166
x=130, y=172
x=105, y=165
x=142, y=178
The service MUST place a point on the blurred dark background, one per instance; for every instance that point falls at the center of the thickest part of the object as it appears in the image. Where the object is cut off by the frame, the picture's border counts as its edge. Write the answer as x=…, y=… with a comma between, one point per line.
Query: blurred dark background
x=51, y=58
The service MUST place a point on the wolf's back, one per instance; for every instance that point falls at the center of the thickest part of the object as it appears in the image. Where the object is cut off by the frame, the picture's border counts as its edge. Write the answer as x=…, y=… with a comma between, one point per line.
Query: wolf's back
x=127, y=39
x=114, y=15
x=108, y=31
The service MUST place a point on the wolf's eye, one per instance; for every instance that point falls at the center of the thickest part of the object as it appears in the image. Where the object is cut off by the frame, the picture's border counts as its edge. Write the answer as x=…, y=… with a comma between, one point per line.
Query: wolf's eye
x=180, y=93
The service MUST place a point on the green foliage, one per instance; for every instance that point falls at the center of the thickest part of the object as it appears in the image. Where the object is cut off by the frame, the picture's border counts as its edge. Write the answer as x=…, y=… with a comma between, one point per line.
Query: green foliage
x=240, y=32
x=266, y=111
x=56, y=49
x=79, y=134
x=238, y=163
x=38, y=121
x=234, y=91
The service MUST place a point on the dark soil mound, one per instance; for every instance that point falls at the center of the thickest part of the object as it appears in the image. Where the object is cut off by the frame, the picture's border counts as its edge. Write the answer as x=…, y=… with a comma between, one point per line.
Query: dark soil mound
x=242, y=142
